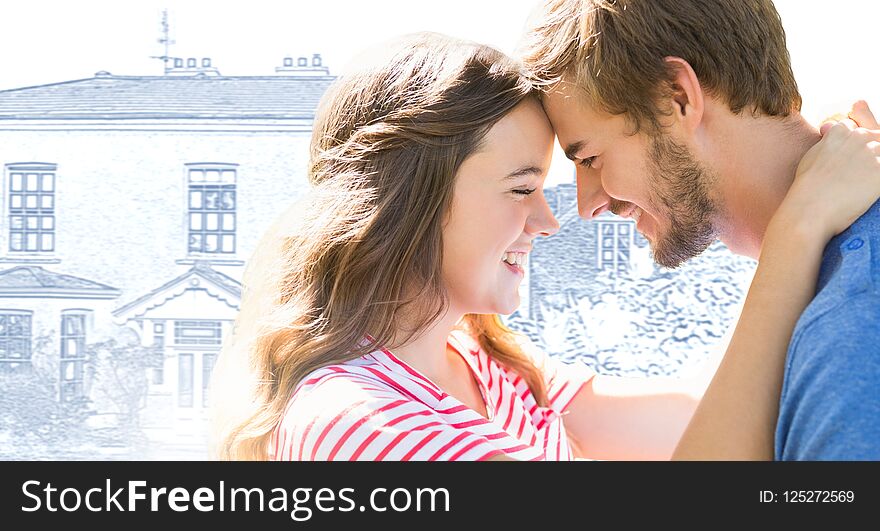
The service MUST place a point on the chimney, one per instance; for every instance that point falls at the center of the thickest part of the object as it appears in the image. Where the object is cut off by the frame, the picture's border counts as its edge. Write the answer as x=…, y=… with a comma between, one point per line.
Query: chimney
x=192, y=67
x=303, y=68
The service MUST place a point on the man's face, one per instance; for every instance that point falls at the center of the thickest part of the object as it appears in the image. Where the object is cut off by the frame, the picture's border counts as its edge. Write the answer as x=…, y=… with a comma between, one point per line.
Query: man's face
x=654, y=180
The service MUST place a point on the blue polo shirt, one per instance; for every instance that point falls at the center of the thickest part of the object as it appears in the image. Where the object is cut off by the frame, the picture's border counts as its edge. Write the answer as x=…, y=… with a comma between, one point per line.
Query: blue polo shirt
x=830, y=403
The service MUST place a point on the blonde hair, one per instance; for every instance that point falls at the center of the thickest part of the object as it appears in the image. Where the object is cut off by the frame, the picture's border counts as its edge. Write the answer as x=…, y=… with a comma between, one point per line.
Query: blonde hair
x=365, y=245
x=614, y=51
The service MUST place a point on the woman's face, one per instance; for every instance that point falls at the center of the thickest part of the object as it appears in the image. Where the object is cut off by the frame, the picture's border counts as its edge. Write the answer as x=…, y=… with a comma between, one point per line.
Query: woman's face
x=498, y=209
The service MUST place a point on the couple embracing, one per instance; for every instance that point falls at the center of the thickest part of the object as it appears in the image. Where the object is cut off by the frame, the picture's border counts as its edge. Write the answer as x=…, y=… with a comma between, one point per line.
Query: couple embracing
x=369, y=325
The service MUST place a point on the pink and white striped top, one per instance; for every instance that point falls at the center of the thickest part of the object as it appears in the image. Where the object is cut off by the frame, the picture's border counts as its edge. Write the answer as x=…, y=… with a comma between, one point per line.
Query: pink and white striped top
x=377, y=407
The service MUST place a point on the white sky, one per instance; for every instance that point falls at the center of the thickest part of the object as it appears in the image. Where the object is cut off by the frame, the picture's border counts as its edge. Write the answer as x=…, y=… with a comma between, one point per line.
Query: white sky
x=833, y=44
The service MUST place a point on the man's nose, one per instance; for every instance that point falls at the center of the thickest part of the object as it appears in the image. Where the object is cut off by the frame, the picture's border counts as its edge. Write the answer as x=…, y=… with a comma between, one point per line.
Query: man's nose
x=592, y=198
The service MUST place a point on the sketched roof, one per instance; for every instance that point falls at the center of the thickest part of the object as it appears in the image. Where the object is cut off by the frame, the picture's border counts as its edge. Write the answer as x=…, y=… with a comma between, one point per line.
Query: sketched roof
x=175, y=286
x=225, y=281
x=167, y=97
x=34, y=281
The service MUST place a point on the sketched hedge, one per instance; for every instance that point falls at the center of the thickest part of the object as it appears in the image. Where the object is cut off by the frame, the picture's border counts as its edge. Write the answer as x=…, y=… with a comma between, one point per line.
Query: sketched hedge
x=35, y=424
x=118, y=379
x=641, y=326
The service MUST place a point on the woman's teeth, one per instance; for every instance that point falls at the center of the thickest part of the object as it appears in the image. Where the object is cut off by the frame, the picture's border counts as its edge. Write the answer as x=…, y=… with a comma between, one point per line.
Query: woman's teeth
x=517, y=259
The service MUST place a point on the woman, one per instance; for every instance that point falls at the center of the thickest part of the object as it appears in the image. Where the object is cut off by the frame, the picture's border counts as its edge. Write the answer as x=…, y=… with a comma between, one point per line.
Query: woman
x=369, y=327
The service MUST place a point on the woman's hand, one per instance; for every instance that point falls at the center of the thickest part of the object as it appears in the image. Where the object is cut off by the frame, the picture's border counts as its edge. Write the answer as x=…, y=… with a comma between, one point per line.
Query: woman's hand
x=838, y=179
x=859, y=116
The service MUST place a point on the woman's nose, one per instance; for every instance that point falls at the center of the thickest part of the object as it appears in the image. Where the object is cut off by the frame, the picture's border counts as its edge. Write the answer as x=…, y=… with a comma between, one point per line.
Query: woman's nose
x=542, y=221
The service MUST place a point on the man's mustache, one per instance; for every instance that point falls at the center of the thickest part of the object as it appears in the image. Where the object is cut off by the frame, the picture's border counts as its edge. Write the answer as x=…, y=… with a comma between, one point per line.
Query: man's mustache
x=619, y=207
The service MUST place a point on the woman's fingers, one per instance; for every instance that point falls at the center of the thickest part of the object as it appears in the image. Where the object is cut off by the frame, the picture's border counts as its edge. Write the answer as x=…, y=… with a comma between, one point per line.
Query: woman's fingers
x=841, y=172
x=839, y=120
x=861, y=114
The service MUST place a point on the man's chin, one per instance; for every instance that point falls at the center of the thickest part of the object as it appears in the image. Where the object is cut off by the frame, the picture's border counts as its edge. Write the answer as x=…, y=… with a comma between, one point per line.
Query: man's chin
x=671, y=255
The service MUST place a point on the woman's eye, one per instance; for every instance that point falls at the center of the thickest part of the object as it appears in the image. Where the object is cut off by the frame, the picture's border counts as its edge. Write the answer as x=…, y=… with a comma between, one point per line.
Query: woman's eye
x=526, y=191
x=587, y=162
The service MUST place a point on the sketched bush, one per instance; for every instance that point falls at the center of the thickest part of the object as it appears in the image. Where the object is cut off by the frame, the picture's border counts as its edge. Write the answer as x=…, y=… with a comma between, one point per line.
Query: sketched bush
x=643, y=326
x=34, y=424
x=117, y=371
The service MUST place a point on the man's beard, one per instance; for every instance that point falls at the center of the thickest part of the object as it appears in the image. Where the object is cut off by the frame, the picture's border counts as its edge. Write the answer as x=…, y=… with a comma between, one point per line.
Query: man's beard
x=680, y=185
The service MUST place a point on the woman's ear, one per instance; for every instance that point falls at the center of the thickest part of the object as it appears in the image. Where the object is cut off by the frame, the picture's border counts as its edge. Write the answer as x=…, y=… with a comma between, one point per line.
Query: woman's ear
x=687, y=98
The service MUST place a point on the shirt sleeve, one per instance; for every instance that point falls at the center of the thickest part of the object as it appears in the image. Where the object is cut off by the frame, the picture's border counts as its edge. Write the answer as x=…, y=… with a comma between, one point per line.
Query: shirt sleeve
x=347, y=418
x=563, y=380
x=830, y=406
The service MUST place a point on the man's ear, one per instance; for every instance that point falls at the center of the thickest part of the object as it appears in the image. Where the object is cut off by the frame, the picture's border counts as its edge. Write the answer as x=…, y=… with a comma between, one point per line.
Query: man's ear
x=687, y=99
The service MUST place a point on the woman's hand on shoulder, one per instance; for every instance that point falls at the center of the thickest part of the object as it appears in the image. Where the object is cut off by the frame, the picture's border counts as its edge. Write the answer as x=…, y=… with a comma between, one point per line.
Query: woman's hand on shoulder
x=838, y=179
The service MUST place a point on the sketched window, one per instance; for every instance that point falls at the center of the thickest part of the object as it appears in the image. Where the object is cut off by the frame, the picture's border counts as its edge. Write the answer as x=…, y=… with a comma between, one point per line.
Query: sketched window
x=15, y=339
x=615, y=240
x=212, y=208
x=197, y=332
x=73, y=356
x=31, y=202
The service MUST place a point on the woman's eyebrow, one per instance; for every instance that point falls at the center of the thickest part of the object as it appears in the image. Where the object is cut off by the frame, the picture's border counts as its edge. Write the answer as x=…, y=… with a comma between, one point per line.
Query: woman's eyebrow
x=524, y=171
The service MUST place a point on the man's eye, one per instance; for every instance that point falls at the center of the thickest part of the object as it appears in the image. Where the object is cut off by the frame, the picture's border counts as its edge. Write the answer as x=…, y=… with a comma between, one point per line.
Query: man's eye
x=587, y=162
x=527, y=191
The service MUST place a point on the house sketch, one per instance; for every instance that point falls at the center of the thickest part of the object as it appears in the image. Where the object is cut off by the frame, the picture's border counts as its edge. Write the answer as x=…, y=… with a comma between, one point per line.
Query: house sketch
x=130, y=205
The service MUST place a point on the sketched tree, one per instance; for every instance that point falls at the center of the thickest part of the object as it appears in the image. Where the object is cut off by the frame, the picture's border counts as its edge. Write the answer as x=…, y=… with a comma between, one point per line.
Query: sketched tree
x=118, y=375
x=34, y=424
x=642, y=326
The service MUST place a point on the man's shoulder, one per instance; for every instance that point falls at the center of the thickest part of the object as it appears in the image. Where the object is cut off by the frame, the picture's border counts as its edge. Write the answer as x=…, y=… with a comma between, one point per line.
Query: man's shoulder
x=835, y=352
x=850, y=270
x=833, y=349
x=855, y=317
x=841, y=326
x=828, y=407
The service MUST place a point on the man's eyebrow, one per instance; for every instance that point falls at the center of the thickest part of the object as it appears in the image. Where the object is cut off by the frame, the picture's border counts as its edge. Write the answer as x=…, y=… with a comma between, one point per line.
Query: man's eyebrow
x=572, y=149
x=524, y=172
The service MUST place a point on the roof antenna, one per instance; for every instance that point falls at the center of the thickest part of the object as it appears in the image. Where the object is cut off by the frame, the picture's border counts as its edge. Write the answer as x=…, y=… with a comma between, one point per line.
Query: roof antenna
x=165, y=40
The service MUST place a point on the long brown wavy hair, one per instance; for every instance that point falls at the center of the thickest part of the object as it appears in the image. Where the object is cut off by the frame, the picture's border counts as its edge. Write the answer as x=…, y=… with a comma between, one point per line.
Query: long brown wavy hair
x=364, y=247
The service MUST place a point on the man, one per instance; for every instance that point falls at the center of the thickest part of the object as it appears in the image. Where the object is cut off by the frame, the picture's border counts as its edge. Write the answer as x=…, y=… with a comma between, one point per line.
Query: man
x=684, y=116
